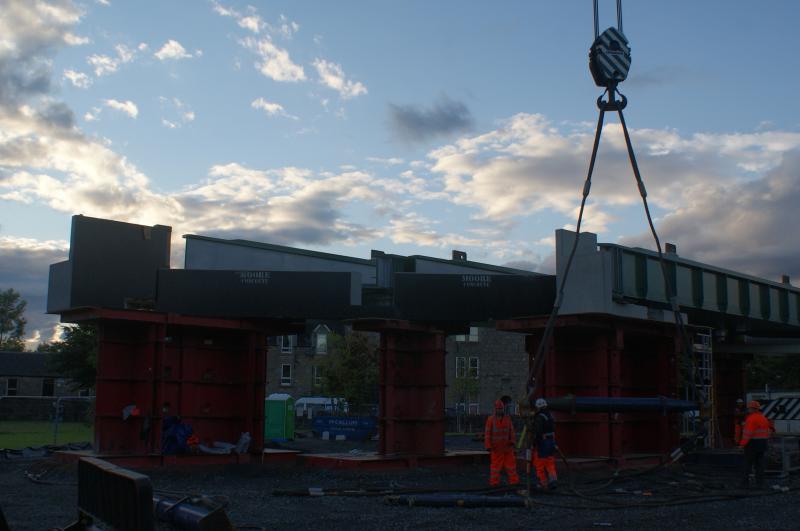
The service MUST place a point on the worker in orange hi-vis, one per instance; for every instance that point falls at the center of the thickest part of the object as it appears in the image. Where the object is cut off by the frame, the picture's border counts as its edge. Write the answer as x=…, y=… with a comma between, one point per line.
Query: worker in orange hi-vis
x=544, y=445
x=739, y=416
x=499, y=439
x=755, y=438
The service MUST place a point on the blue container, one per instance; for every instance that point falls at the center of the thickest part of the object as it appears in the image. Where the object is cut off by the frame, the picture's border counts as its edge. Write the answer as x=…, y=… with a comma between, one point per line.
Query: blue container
x=353, y=428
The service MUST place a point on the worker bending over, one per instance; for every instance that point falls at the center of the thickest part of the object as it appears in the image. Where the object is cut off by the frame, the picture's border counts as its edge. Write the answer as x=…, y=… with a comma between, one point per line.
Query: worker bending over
x=755, y=437
x=544, y=445
x=499, y=439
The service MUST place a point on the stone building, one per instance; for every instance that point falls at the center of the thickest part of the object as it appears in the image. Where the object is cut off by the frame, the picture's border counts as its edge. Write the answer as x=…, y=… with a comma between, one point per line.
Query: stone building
x=481, y=367
x=31, y=391
x=293, y=363
x=25, y=374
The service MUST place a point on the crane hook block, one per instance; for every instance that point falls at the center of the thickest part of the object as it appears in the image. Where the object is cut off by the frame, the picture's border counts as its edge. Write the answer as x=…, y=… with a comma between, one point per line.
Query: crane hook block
x=610, y=58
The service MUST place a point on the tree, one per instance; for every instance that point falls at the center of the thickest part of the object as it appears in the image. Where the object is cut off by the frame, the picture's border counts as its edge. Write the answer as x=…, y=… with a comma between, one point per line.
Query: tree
x=350, y=370
x=779, y=372
x=75, y=356
x=12, y=322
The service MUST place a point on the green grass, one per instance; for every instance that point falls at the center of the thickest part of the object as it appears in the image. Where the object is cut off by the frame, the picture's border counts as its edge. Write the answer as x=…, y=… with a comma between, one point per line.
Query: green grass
x=16, y=434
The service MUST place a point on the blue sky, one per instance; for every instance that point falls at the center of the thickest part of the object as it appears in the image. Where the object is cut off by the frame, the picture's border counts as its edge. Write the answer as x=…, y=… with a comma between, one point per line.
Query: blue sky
x=412, y=127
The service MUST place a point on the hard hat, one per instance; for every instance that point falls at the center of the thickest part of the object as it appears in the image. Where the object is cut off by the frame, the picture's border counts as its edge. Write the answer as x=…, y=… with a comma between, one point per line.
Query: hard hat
x=541, y=403
x=754, y=404
x=498, y=404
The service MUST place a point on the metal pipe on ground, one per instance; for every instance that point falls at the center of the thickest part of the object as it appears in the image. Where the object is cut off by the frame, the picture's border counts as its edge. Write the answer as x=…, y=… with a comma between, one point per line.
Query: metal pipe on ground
x=191, y=514
x=604, y=404
x=456, y=500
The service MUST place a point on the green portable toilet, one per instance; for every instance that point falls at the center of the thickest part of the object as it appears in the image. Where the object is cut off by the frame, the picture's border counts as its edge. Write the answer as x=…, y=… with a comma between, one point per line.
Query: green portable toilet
x=279, y=422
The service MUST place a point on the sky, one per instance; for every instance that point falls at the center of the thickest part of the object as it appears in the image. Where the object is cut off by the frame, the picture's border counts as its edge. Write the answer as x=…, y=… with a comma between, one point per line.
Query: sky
x=411, y=127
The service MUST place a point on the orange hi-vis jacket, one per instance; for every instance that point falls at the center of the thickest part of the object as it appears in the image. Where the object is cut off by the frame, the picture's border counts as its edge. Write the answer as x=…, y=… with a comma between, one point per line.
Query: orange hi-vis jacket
x=499, y=433
x=755, y=427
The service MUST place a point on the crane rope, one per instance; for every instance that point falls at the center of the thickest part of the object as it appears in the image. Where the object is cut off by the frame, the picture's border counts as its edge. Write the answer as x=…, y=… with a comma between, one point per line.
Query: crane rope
x=609, y=61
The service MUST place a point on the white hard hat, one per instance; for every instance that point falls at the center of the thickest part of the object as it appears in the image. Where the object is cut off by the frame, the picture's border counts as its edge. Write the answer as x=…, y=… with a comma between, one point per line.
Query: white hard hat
x=541, y=403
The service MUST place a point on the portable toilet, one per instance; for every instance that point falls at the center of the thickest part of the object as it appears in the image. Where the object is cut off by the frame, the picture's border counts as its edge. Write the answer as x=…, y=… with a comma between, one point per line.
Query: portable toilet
x=279, y=422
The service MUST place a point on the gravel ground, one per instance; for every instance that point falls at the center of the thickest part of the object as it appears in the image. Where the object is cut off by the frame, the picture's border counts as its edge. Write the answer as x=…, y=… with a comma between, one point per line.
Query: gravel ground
x=35, y=506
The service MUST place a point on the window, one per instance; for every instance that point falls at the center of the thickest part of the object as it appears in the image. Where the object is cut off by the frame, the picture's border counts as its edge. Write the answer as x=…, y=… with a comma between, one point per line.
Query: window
x=85, y=392
x=472, y=337
x=11, y=387
x=322, y=343
x=286, y=374
x=48, y=387
x=287, y=342
x=474, y=365
x=468, y=408
x=316, y=376
x=461, y=367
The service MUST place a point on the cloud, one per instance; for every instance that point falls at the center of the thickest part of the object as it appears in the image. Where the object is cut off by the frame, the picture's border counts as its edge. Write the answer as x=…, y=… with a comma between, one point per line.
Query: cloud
x=662, y=75
x=285, y=28
x=172, y=50
x=275, y=62
x=24, y=266
x=127, y=107
x=75, y=40
x=179, y=111
x=391, y=161
x=78, y=79
x=46, y=161
x=412, y=123
x=286, y=205
x=331, y=75
x=272, y=109
x=528, y=166
x=93, y=115
x=745, y=225
x=419, y=230
x=29, y=30
x=253, y=22
x=105, y=64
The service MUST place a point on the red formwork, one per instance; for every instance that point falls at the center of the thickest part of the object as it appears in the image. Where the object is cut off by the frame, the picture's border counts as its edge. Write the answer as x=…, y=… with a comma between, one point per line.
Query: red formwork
x=210, y=372
x=729, y=384
x=411, y=417
x=596, y=355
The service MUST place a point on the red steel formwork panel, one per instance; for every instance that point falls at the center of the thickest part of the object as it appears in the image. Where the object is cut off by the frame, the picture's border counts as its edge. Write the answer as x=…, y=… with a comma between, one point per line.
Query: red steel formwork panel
x=411, y=417
x=607, y=357
x=729, y=384
x=210, y=372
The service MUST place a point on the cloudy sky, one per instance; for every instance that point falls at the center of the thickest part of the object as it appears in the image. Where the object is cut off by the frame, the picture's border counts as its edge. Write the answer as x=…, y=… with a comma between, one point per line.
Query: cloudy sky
x=412, y=127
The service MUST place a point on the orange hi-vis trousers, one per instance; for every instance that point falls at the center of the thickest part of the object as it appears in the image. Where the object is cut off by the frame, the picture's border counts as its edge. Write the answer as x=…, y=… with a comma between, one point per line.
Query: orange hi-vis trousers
x=499, y=460
x=545, y=466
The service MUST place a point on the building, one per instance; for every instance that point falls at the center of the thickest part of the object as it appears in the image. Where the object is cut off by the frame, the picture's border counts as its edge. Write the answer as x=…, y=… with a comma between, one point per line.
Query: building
x=482, y=366
x=293, y=365
x=31, y=391
x=25, y=374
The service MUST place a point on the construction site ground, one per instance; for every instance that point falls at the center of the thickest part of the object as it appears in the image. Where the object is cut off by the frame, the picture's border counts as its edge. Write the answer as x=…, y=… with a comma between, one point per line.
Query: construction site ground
x=42, y=494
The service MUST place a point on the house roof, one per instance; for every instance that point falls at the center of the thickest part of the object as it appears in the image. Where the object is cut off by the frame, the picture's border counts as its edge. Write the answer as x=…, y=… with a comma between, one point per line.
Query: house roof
x=20, y=364
x=283, y=249
x=361, y=261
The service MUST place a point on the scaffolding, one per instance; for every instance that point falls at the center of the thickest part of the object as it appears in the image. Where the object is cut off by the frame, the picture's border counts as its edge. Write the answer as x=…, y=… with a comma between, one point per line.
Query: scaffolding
x=704, y=419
